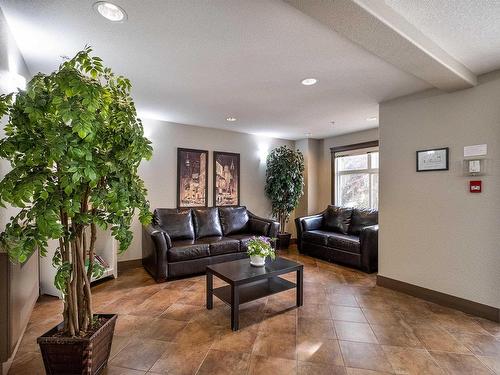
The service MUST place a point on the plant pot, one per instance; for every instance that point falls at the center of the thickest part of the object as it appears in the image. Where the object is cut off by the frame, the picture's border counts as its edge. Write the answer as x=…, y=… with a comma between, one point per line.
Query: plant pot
x=78, y=355
x=257, y=261
x=283, y=240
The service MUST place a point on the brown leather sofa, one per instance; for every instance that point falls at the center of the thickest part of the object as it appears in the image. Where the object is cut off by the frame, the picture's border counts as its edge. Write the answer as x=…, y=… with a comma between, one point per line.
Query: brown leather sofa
x=183, y=242
x=341, y=235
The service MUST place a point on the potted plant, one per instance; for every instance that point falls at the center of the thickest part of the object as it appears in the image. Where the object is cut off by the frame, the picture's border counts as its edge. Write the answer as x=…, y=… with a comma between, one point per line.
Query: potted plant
x=74, y=143
x=259, y=248
x=284, y=186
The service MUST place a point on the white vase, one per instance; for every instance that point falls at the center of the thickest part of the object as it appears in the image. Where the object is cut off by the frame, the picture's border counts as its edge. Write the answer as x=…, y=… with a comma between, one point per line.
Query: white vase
x=257, y=261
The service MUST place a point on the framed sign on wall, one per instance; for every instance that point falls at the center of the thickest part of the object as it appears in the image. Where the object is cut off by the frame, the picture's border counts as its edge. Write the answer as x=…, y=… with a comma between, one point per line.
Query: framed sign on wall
x=192, y=184
x=433, y=160
x=226, y=179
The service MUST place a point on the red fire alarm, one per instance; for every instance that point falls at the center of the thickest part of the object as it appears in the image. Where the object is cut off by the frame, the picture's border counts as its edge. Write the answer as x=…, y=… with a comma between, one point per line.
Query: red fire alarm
x=475, y=186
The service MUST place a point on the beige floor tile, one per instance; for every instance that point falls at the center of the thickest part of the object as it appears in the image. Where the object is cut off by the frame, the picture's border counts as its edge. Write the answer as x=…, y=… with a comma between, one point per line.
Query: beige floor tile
x=140, y=354
x=396, y=335
x=320, y=328
x=181, y=359
x=224, y=363
x=309, y=368
x=275, y=345
x=460, y=364
x=365, y=356
x=350, y=331
x=485, y=345
x=348, y=314
x=272, y=366
x=311, y=349
x=411, y=361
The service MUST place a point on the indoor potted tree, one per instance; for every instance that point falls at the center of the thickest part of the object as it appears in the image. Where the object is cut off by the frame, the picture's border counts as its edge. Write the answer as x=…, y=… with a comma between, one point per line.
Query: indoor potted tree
x=284, y=186
x=74, y=143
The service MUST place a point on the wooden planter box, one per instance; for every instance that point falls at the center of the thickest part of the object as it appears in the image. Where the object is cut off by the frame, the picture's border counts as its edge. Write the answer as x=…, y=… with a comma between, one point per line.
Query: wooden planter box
x=284, y=240
x=75, y=355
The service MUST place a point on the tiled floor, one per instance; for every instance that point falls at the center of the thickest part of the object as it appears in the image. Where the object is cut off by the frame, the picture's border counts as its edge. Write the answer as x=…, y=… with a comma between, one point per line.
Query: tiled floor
x=346, y=326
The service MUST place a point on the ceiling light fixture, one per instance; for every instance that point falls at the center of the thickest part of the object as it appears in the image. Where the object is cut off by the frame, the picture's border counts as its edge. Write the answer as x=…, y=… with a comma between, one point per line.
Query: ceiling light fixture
x=372, y=118
x=308, y=134
x=110, y=11
x=309, y=81
x=231, y=119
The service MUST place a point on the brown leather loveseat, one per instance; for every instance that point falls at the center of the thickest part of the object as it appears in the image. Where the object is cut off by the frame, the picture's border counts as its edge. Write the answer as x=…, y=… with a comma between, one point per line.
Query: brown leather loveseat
x=183, y=242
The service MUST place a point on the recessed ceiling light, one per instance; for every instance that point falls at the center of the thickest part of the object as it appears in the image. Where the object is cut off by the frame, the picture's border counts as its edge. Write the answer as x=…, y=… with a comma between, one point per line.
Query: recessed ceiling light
x=372, y=118
x=309, y=81
x=110, y=11
x=231, y=119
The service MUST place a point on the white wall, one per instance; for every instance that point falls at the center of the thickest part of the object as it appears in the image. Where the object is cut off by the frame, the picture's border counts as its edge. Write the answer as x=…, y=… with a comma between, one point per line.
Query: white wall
x=433, y=232
x=325, y=170
x=160, y=173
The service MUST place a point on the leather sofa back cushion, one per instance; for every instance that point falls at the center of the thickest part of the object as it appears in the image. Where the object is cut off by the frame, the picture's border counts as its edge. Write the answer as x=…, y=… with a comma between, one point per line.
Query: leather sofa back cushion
x=206, y=222
x=337, y=219
x=256, y=226
x=362, y=218
x=233, y=219
x=178, y=225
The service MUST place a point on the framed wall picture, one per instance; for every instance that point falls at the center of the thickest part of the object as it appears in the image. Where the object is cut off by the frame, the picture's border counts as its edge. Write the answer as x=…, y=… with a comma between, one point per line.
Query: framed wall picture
x=192, y=172
x=433, y=160
x=226, y=179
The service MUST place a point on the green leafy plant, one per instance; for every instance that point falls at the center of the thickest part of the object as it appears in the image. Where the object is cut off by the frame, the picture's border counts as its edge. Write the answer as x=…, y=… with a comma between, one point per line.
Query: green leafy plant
x=261, y=246
x=284, y=182
x=74, y=143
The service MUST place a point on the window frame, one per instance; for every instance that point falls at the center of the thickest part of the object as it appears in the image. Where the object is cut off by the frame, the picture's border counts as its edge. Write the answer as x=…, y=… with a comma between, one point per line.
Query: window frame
x=343, y=149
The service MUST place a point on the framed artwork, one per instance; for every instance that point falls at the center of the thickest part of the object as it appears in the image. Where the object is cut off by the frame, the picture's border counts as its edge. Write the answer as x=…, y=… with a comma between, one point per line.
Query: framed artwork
x=433, y=160
x=192, y=184
x=226, y=179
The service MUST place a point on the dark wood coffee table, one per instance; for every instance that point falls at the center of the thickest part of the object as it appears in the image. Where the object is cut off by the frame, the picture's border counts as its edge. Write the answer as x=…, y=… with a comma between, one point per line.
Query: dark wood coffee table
x=248, y=283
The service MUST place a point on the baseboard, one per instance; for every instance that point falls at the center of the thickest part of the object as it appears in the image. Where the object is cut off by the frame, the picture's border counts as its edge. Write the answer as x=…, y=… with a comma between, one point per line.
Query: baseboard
x=129, y=264
x=443, y=299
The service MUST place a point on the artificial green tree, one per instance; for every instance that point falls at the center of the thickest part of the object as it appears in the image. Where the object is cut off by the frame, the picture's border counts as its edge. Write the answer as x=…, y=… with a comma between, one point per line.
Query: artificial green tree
x=74, y=143
x=284, y=182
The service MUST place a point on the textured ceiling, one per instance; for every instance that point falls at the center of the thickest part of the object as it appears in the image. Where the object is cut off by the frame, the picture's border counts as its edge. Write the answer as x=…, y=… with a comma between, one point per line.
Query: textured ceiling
x=469, y=30
x=198, y=62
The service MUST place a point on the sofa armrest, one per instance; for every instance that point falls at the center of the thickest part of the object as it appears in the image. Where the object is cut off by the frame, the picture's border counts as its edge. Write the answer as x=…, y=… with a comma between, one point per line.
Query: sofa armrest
x=273, y=227
x=155, y=244
x=368, y=239
x=306, y=223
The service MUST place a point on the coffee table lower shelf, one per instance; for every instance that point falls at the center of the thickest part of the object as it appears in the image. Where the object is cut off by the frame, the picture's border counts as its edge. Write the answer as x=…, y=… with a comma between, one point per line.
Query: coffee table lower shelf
x=252, y=291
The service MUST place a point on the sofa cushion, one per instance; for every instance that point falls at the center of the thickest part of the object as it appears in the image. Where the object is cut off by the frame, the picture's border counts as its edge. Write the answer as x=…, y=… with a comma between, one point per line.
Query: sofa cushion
x=256, y=226
x=344, y=242
x=187, y=250
x=243, y=239
x=221, y=245
x=233, y=219
x=177, y=224
x=206, y=222
x=337, y=219
x=319, y=237
x=362, y=218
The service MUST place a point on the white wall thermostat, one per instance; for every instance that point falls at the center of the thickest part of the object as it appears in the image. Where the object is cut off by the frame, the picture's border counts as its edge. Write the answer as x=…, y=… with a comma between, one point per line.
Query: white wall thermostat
x=474, y=166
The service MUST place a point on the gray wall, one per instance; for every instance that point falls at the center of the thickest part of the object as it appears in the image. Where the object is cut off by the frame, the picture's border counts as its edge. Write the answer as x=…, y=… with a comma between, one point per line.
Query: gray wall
x=433, y=232
x=19, y=289
x=160, y=173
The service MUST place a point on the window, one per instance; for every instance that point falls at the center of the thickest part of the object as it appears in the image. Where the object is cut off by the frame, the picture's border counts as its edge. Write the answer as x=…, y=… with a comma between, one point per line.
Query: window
x=356, y=178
